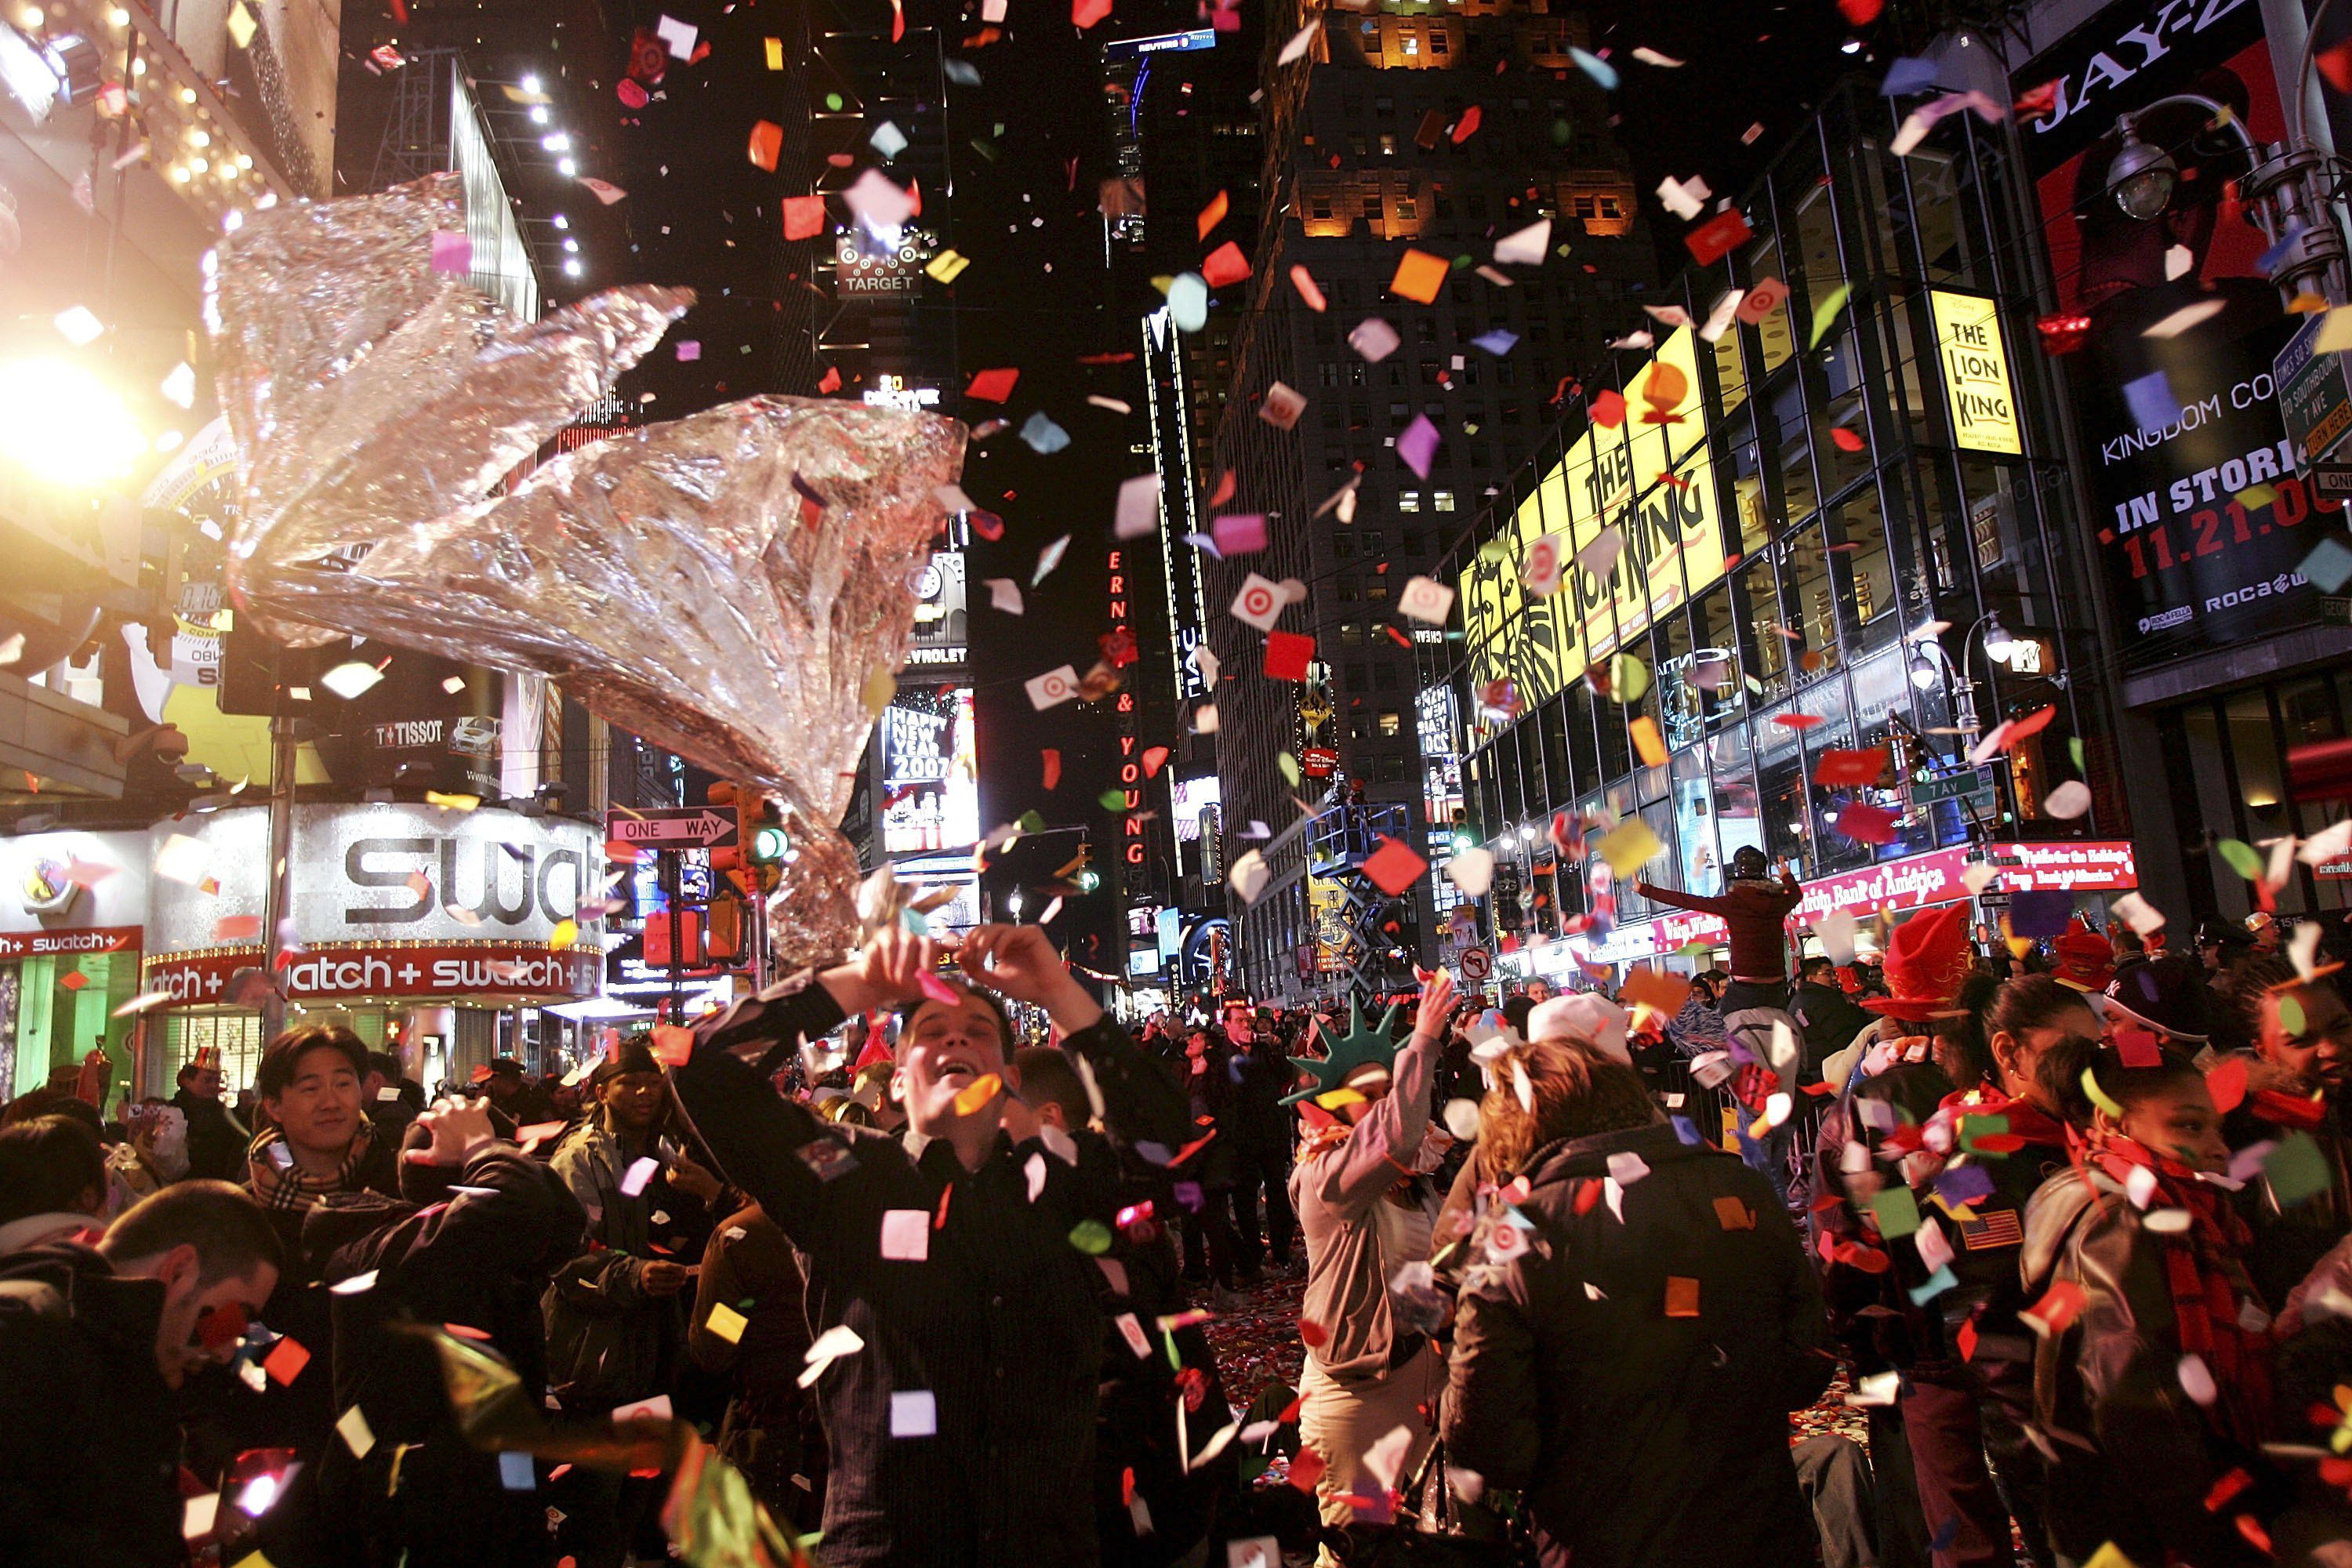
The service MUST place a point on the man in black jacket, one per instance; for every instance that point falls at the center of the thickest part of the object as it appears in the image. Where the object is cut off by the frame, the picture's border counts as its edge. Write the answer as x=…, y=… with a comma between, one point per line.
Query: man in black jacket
x=1262, y=1133
x=216, y=1141
x=92, y=1343
x=951, y=1272
x=495, y=1227
x=1829, y=1018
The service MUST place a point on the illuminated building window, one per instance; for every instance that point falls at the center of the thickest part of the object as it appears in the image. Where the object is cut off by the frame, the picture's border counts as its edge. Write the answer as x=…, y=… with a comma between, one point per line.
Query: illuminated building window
x=1392, y=723
x=1409, y=500
x=1442, y=501
x=1388, y=145
x=1407, y=211
x=1411, y=44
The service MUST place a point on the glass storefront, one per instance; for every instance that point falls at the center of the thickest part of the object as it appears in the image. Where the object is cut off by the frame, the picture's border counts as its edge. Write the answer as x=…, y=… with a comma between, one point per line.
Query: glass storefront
x=1826, y=546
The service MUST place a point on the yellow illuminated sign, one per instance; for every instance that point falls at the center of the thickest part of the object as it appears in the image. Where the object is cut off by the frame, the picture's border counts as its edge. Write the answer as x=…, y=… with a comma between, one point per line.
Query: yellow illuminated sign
x=1653, y=478
x=1975, y=364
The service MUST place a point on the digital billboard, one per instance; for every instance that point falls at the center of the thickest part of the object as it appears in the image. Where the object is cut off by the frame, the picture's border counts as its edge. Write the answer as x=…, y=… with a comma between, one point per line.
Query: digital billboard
x=924, y=747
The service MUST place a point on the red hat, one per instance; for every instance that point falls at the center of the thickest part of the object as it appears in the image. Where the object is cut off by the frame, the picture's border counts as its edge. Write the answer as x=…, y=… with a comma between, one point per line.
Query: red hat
x=1926, y=959
x=2086, y=960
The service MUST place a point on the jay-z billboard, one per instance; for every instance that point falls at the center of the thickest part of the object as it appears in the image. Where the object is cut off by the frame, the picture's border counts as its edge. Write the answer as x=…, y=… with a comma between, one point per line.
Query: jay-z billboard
x=2199, y=518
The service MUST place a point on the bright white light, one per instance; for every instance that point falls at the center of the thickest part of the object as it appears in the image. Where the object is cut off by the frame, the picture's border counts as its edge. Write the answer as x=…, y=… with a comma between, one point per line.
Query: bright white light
x=259, y=1494
x=348, y=680
x=530, y=84
x=573, y=245
x=79, y=326
x=567, y=168
x=169, y=441
x=180, y=386
x=1851, y=46
x=30, y=15
x=571, y=267
x=454, y=685
x=199, y=138
x=1997, y=642
x=560, y=221
x=559, y=142
x=64, y=425
x=231, y=221
x=1013, y=902
x=538, y=114
x=119, y=16
x=198, y=165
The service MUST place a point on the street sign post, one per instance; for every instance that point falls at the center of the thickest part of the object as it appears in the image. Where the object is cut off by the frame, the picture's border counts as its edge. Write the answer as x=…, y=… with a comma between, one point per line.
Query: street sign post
x=2314, y=396
x=672, y=827
x=1972, y=787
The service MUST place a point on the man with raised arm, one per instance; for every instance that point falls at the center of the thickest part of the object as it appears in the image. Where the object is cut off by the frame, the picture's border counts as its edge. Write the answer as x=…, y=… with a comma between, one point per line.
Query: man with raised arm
x=951, y=1274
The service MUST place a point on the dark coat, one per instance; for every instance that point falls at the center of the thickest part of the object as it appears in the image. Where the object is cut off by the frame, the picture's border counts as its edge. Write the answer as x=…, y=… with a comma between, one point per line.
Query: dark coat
x=90, y=1451
x=1829, y=1018
x=216, y=1146
x=1642, y=1440
x=2136, y=1457
x=1262, y=1075
x=478, y=1258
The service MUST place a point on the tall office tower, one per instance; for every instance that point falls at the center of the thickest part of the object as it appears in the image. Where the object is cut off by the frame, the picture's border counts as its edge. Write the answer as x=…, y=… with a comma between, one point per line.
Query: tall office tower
x=1184, y=155
x=1393, y=134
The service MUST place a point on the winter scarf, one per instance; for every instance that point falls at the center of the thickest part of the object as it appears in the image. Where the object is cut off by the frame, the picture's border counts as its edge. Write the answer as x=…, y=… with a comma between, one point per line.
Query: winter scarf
x=282, y=1186
x=2205, y=1273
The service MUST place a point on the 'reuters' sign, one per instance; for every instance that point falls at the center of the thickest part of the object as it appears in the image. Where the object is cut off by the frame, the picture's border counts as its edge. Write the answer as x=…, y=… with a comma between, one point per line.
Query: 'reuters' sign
x=484, y=968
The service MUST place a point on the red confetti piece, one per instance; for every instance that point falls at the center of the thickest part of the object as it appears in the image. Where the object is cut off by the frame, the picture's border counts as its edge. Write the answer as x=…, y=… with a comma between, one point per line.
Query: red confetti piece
x=1053, y=767
x=1306, y=1470
x=2227, y=1084
x=2226, y=1488
x=2336, y=65
x=1861, y=12
x=285, y=1360
x=673, y=1044
x=1846, y=440
x=993, y=386
x=1224, y=264
x=1314, y=1333
x=1393, y=867
x=1609, y=409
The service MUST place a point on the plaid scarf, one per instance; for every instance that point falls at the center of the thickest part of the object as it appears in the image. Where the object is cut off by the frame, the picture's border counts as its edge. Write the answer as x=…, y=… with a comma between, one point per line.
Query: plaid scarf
x=2205, y=1274
x=287, y=1188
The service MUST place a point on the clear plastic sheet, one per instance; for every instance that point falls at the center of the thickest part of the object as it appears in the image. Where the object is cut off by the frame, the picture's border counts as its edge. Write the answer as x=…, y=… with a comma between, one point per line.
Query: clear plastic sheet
x=724, y=584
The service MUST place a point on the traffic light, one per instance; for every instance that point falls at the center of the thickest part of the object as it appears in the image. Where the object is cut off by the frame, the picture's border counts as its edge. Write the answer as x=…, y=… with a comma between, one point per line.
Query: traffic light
x=724, y=943
x=1088, y=878
x=766, y=844
x=1465, y=835
x=727, y=859
x=754, y=863
x=686, y=926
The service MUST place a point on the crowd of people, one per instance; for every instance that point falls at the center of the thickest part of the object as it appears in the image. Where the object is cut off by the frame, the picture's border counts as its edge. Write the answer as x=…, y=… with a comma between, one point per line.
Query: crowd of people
x=926, y=1247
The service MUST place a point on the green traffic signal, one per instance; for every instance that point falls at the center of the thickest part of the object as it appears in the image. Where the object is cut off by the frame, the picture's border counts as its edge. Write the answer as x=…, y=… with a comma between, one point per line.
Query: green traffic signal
x=767, y=844
x=1088, y=880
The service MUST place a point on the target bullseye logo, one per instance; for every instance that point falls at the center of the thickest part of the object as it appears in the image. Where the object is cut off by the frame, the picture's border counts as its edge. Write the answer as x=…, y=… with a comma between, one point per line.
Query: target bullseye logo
x=1259, y=602
x=1053, y=686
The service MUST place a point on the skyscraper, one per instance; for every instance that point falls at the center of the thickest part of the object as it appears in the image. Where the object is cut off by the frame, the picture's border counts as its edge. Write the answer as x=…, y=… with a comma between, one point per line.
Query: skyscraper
x=1390, y=135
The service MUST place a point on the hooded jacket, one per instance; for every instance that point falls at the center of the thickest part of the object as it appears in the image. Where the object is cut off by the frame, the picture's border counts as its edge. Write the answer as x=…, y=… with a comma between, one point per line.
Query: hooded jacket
x=1634, y=1377
x=89, y=1450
